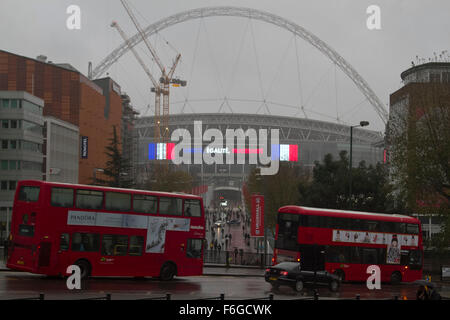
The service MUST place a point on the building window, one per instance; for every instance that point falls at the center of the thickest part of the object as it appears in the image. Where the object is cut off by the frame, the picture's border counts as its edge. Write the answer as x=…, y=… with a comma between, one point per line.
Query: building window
x=4, y=144
x=5, y=103
x=445, y=77
x=31, y=107
x=435, y=77
x=13, y=165
x=5, y=124
x=14, y=104
x=12, y=185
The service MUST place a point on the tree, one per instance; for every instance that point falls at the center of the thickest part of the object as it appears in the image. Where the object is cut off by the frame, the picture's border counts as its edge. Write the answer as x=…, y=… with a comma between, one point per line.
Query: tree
x=419, y=141
x=278, y=190
x=170, y=181
x=329, y=187
x=117, y=168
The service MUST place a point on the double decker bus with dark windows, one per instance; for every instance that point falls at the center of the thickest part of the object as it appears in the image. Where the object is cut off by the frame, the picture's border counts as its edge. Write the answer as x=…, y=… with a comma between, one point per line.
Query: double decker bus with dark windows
x=345, y=243
x=105, y=231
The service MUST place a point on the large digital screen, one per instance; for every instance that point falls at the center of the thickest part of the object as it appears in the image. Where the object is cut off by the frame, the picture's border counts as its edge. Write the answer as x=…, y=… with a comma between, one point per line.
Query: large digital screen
x=281, y=152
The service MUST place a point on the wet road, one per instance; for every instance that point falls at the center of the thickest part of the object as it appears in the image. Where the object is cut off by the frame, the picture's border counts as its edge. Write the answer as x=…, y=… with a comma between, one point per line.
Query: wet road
x=14, y=285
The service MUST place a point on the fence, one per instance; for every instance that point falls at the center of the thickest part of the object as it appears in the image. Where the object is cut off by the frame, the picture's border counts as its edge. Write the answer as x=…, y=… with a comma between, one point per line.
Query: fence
x=239, y=258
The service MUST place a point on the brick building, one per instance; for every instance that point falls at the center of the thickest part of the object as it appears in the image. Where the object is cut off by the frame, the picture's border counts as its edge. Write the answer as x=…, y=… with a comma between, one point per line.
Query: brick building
x=93, y=106
x=415, y=108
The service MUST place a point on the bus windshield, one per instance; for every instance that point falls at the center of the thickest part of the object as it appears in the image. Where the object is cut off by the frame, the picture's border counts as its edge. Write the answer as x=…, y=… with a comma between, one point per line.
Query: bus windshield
x=287, y=232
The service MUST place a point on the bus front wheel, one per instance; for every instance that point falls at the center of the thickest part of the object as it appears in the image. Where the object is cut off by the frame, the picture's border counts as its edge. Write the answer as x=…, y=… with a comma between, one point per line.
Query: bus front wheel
x=168, y=271
x=340, y=274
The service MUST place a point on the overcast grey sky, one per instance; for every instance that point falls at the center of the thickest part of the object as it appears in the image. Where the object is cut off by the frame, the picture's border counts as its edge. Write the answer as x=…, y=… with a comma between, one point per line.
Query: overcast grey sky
x=244, y=60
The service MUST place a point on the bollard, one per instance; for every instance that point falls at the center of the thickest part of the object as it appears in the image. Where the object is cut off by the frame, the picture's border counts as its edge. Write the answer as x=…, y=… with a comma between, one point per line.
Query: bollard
x=41, y=296
x=222, y=296
x=358, y=297
x=271, y=296
x=227, y=259
x=168, y=296
x=108, y=296
x=316, y=295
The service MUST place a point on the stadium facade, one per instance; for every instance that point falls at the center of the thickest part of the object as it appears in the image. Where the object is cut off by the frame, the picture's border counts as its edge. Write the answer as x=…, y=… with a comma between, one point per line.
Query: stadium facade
x=301, y=143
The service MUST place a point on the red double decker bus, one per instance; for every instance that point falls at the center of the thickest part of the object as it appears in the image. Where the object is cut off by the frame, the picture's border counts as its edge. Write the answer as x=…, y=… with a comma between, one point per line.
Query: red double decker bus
x=347, y=242
x=105, y=231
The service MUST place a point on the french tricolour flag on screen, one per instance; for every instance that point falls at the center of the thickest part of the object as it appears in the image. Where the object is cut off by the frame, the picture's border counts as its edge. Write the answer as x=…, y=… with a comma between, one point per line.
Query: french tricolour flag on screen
x=285, y=152
x=160, y=151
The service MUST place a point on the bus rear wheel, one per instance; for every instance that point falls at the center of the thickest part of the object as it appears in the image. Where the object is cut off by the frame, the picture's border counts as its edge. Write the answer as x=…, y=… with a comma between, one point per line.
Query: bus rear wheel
x=85, y=268
x=396, y=277
x=168, y=271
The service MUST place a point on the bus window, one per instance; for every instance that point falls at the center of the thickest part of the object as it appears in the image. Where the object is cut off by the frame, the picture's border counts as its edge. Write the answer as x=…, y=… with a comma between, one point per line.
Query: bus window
x=415, y=259
x=412, y=228
x=30, y=194
x=369, y=256
x=287, y=231
x=26, y=230
x=146, y=204
x=89, y=199
x=85, y=242
x=114, y=245
x=172, y=206
x=62, y=197
x=192, y=208
x=355, y=254
x=372, y=225
x=194, y=248
x=400, y=228
x=136, y=245
x=117, y=201
x=64, y=242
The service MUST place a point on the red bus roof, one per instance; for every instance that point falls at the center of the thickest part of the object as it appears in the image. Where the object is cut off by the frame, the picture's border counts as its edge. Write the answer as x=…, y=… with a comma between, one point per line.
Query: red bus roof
x=103, y=188
x=347, y=214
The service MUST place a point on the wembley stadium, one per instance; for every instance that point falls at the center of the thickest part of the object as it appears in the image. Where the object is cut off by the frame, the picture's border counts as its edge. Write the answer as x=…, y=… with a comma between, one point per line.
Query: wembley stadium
x=305, y=141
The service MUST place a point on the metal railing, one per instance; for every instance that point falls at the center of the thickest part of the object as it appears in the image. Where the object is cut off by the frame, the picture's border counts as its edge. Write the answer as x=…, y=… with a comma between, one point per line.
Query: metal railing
x=240, y=258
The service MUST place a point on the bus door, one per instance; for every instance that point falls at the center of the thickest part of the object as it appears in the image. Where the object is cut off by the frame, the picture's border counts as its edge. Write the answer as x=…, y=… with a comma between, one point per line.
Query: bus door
x=312, y=257
x=62, y=254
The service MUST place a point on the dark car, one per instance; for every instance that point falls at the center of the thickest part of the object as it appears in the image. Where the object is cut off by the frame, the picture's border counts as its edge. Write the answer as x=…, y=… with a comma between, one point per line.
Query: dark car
x=291, y=274
x=234, y=221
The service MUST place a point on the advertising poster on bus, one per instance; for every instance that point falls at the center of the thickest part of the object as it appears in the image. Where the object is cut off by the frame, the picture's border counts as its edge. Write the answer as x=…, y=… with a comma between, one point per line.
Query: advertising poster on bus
x=393, y=250
x=156, y=231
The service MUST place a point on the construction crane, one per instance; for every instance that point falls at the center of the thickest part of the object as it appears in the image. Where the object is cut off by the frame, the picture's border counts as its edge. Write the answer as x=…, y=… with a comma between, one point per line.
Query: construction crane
x=156, y=89
x=165, y=80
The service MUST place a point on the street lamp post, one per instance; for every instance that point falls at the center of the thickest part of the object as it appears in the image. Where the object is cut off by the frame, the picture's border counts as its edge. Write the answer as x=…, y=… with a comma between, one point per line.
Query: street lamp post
x=361, y=124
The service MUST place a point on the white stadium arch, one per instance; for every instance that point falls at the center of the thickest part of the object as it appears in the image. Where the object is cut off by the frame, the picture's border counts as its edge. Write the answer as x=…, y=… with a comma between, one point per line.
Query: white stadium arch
x=181, y=17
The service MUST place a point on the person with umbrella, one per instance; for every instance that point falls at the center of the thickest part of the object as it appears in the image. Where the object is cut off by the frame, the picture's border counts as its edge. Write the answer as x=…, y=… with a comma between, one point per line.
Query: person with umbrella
x=427, y=291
